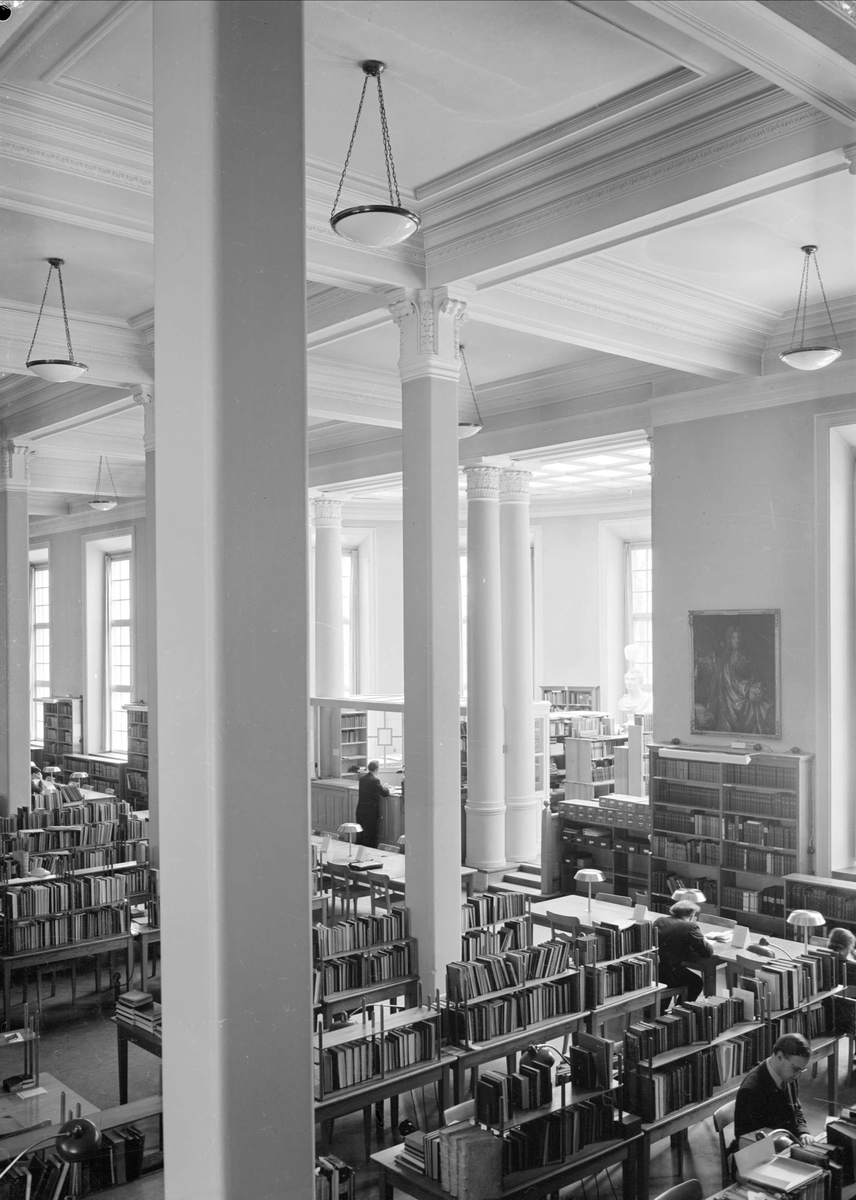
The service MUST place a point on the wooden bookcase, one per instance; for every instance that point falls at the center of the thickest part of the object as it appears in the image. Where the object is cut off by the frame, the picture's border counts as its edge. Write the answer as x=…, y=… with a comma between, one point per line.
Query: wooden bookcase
x=612, y=834
x=492, y=922
x=732, y=829
x=137, y=772
x=364, y=961
x=590, y=765
x=104, y=771
x=835, y=898
x=91, y=835
x=63, y=728
x=353, y=739
x=571, y=697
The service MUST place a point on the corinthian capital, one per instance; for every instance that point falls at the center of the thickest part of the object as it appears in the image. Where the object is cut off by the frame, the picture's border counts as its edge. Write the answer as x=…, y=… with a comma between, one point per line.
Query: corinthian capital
x=482, y=483
x=514, y=486
x=16, y=464
x=429, y=321
x=328, y=513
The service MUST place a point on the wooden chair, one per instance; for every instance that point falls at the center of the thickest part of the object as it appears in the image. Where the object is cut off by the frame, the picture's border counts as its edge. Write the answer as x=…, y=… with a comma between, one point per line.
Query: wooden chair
x=346, y=886
x=607, y=899
x=459, y=1112
x=690, y=1189
x=722, y=1118
x=563, y=924
x=818, y=941
x=383, y=890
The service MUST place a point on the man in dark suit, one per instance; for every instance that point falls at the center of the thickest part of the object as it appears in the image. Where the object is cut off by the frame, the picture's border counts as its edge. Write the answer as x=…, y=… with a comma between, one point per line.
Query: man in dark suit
x=680, y=940
x=368, y=805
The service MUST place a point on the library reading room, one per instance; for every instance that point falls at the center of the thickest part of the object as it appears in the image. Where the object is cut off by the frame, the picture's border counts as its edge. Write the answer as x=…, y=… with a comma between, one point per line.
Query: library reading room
x=428, y=592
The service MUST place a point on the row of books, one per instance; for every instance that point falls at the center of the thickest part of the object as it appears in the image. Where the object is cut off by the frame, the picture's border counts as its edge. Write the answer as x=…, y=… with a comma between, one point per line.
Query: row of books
x=795, y=981
x=677, y=768
x=62, y=862
x=616, y=978
x=678, y=821
x=665, y=883
x=81, y=812
x=359, y=932
x=694, y=1021
x=65, y=929
x=606, y=941
x=783, y=804
x=63, y=837
x=836, y=906
x=368, y=1058
x=60, y=895
x=483, y=1020
x=556, y=1136
x=362, y=970
x=764, y=862
x=488, y=907
x=514, y=935
x=679, y=793
x=760, y=833
x=695, y=851
x=762, y=775
x=45, y=1176
x=769, y=901
x=334, y=1178
x=495, y=972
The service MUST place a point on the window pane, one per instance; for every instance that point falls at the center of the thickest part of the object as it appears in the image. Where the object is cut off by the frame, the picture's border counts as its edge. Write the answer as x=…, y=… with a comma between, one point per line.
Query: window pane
x=118, y=673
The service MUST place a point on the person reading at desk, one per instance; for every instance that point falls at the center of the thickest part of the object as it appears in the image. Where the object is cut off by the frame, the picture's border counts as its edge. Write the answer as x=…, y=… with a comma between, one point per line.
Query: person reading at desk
x=769, y=1095
x=679, y=940
x=368, y=805
x=843, y=942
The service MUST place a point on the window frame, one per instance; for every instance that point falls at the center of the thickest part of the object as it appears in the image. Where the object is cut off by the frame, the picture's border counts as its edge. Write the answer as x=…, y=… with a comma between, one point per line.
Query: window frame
x=112, y=736
x=632, y=615
x=40, y=687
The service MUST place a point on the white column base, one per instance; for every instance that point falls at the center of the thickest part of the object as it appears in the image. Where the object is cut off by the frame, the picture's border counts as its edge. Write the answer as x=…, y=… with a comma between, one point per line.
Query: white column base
x=522, y=819
x=485, y=838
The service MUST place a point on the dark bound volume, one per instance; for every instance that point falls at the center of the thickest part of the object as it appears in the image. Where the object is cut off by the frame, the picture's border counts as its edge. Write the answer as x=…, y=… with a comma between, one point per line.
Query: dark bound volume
x=135, y=1142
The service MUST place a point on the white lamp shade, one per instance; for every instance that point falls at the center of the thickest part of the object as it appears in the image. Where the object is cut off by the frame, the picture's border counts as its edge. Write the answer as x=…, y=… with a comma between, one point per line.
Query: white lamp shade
x=102, y=505
x=694, y=894
x=806, y=918
x=810, y=358
x=376, y=224
x=468, y=429
x=590, y=875
x=57, y=370
x=350, y=827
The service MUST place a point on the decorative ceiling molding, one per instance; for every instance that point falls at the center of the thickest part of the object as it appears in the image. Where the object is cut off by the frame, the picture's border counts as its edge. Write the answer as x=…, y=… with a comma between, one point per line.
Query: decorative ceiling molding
x=56, y=408
x=769, y=45
x=552, y=138
x=53, y=121
x=72, y=214
x=75, y=164
x=86, y=518
x=58, y=74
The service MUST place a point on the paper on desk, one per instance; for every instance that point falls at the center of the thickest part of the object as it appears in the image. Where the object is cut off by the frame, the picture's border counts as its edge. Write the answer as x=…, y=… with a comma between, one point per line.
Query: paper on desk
x=13, y=1037
x=27, y=1092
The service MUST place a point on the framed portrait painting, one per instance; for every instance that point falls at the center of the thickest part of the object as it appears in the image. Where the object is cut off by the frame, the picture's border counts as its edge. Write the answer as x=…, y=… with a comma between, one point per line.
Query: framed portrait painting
x=735, y=668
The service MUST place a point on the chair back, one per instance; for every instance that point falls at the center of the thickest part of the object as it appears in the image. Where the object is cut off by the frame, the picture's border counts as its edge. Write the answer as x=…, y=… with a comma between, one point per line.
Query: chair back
x=627, y=901
x=459, y=1112
x=722, y=1119
x=388, y=846
x=818, y=941
x=563, y=924
x=706, y=918
x=690, y=1189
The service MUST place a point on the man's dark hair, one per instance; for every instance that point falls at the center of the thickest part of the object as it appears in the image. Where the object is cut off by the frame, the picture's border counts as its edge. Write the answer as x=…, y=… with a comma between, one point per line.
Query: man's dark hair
x=792, y=1044
x=684, y=909
x=372, y=766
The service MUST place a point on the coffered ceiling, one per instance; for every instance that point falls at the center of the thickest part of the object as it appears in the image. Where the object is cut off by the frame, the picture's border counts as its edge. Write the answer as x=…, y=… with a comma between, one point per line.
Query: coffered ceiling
x=626, y=184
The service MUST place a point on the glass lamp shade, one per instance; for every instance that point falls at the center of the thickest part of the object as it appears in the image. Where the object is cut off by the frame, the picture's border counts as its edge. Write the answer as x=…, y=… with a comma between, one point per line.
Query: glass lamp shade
x=590, y=875
x=350, y=827
x=468, y=429
x=57, y=370
x=78, y=777
x=375, y=224
x=102, y=505
x=52, y=771
x=806, y=918
x=810, y=358
x=77, y=1139
x=693, y=894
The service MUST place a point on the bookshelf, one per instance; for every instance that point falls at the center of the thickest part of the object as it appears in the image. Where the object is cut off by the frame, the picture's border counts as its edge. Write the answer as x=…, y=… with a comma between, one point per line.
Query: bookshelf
x=589, y=766
x=363, y=961
x=571, y=697
x=106, y=771
x=835, y=898
x=732, y=829
x=631, y=760
x=63, y=728
x=612, y=834
x=353, y=739
x=88, y=834
x=493, y=922
x=137, y=772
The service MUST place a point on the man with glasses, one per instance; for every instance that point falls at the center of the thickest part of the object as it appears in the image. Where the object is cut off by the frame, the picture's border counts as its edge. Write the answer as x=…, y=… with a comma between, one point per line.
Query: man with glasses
x=768, y=1098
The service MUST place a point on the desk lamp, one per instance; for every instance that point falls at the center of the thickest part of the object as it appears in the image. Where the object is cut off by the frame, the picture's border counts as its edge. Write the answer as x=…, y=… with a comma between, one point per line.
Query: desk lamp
x=76, y=1141
x=401, y=841
x=78, y=778
x=693, y=894
x=50, y=773
x=589, y=875
x=350, y=829
x=806, y=919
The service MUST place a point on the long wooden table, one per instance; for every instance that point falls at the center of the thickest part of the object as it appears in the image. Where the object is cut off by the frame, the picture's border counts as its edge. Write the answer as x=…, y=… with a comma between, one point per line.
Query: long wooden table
x=588, y=1162
x=120, y=942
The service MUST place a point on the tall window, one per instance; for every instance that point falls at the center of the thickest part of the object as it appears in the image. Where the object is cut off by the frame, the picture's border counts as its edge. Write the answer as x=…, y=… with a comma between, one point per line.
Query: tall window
x=639, y=606
x=40, y=647
x=118, y=673
x=350, y=620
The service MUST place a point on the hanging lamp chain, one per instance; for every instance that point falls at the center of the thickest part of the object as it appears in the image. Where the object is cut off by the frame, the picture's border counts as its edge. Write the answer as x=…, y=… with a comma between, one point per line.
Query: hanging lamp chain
x=98, y=480
x=810, y=253
x=372, y=71
x=112, y=484
x=55, y=264
x=470, y=382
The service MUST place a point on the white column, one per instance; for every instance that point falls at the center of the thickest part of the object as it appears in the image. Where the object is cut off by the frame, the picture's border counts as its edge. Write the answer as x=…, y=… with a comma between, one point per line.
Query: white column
x=15, y=628
x=522, y=812
x=145, y=398
x=232, y=607
x=485, y=782
x=429, y=322
x=329, y=638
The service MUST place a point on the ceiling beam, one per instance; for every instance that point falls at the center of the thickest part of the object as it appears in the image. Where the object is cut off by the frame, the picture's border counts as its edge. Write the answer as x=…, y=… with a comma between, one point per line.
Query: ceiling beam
x=67, y=406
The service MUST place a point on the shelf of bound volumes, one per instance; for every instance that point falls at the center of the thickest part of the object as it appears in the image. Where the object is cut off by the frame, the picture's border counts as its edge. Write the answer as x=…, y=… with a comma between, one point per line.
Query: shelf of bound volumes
x=72, y=836
x=835, y=898
x=571, y=697
x=334, y=1178
x=63, y=729
x=731, y=829
x=610, y=833
x=493, y=922
x=367, y=958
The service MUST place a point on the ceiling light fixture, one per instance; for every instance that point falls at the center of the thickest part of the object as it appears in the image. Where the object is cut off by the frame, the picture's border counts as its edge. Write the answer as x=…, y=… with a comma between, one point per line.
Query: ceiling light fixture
x=55, y=370
x=375, y=224
x=803, y=357
x=468, y=428
x=99, y=502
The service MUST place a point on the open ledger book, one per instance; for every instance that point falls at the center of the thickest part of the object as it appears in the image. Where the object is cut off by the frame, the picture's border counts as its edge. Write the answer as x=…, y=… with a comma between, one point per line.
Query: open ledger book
x=760, y=1166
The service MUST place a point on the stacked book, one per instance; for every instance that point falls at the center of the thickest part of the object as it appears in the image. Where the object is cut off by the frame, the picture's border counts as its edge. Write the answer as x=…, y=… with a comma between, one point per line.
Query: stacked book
x=139, y=1008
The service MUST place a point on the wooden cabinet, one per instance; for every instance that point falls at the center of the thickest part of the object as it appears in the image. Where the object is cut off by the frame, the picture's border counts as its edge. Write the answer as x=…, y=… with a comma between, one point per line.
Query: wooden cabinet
x=137, y=775
x=612, y=834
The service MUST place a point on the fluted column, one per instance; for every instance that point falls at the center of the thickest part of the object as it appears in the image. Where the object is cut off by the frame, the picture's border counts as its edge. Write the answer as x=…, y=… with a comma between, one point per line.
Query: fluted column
x=329, y=644
x=521, y=804
x=429, y=323
x=14, y=628
x=485, y=783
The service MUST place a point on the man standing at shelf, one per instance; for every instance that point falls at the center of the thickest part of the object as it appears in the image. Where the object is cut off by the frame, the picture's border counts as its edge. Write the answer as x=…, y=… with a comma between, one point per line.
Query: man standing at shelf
x=679, y=940
x=368, y=805
x=769, y=1095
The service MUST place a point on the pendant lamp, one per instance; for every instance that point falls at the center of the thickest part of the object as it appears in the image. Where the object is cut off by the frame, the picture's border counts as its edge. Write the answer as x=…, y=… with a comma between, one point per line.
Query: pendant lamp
x=99, y=502
x=55, y=370
x=801, y=356
x=374, y=224
x=468, y=428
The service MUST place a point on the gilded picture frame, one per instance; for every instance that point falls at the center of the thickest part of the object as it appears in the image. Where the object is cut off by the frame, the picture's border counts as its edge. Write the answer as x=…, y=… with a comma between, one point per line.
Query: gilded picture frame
x=736, y=672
